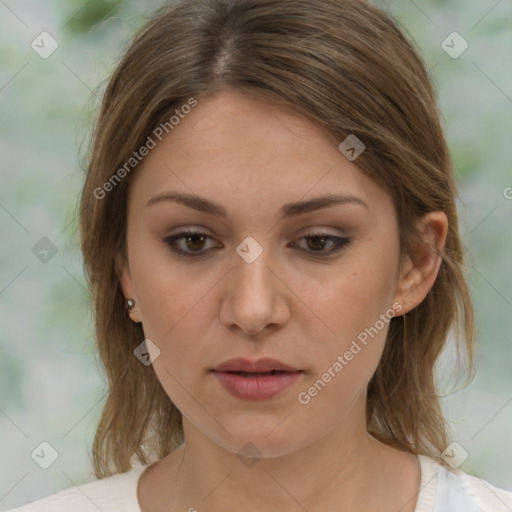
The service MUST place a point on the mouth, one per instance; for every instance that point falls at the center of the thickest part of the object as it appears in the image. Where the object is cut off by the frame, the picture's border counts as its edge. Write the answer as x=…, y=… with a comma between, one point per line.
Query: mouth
x=259, y=374
x=257, y=380
x=264, y=365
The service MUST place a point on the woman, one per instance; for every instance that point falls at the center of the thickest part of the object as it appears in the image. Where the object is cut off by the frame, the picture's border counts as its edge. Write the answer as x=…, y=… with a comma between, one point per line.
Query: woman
x=270, y=236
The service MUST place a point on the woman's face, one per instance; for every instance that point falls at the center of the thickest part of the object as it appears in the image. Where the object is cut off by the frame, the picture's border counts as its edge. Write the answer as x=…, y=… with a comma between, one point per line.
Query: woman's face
x=263, y=282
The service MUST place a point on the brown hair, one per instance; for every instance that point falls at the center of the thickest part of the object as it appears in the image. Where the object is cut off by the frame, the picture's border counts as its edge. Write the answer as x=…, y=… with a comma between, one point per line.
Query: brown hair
x=347, y=67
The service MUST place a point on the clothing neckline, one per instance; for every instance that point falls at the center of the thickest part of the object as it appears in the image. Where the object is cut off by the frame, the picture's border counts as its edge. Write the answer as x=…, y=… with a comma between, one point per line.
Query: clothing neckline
x=428, y=484
x=426, y=493
x=133, y=499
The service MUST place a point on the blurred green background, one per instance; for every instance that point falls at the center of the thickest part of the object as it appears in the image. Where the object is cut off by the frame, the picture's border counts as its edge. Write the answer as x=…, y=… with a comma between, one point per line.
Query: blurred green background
x=51, y=387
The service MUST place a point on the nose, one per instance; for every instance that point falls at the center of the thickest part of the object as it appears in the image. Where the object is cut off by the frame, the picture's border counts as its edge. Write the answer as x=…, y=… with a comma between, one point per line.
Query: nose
x=255, y=298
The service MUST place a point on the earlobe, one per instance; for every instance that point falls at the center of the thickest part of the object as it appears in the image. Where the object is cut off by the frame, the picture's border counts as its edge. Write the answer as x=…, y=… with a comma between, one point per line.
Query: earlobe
x=125, y=281
x=422, y=266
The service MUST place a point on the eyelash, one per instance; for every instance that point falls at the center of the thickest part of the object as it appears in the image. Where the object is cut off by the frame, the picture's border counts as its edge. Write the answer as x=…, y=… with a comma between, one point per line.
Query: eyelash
x=338, y=241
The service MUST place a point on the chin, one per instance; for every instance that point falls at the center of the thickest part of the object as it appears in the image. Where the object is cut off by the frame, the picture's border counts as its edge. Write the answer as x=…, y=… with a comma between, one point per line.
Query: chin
x=268, y=438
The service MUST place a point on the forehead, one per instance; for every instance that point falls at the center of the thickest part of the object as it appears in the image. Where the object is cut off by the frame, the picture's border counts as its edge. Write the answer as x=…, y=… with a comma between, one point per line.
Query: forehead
x=243, y=151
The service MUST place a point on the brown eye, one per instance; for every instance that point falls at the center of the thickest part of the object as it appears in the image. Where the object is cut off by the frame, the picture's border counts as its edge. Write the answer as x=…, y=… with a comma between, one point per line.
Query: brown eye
x=317, y=243
x=192, y=243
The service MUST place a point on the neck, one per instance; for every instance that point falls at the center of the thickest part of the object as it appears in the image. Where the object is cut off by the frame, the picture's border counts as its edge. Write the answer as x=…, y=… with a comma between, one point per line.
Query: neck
x=346, y=469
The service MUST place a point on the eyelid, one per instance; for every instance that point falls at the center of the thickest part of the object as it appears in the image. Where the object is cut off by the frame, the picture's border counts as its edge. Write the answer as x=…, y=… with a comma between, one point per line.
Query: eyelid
x=339, y=242
x=168, y=240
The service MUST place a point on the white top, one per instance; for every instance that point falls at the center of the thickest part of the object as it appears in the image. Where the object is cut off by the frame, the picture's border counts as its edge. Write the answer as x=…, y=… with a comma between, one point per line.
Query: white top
x=441, y=490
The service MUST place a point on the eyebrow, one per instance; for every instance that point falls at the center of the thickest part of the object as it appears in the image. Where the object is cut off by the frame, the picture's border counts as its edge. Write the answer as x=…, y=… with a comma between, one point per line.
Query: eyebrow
x=202, y=204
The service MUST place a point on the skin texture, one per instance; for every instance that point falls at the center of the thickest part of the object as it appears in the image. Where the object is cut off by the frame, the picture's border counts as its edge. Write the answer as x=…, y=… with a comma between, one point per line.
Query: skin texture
x=291, y=304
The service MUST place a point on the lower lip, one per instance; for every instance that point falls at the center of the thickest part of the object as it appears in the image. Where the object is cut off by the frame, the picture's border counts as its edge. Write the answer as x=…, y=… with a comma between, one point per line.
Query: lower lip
x=259, y=387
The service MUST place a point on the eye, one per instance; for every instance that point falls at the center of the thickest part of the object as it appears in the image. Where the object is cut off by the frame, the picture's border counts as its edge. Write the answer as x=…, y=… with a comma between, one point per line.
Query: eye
x=193, y=240
x=317, y=241
x=192, y=243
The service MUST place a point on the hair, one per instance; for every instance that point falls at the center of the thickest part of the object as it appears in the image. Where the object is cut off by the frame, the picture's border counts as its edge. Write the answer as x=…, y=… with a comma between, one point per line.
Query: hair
x=346, y=66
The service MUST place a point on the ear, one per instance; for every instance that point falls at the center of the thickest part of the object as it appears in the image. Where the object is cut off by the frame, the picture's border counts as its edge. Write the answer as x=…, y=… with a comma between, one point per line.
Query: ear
x=421, y=267
x=125, y=280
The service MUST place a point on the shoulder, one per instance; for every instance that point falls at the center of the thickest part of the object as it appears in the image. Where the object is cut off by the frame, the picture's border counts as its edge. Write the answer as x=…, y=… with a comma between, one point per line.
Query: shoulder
x=115, y=493
x=457, y=491
x=486, y=496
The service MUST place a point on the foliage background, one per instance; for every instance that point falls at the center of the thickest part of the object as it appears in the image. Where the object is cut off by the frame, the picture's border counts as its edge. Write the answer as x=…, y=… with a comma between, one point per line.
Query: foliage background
x=51, y=388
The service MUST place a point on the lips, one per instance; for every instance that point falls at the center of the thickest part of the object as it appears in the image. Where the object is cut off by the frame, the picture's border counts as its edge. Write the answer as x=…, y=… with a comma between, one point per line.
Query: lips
x=256, y=380
x=261, y=366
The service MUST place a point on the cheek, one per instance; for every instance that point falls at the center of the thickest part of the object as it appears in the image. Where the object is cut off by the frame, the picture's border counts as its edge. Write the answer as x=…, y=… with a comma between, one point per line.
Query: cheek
x=345, y=359
x=351, y=323
x=352, y=301
x=169, y=292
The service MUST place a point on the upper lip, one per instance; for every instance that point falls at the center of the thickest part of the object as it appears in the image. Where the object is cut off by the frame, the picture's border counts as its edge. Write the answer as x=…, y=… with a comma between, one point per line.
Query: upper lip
x=261, y=365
